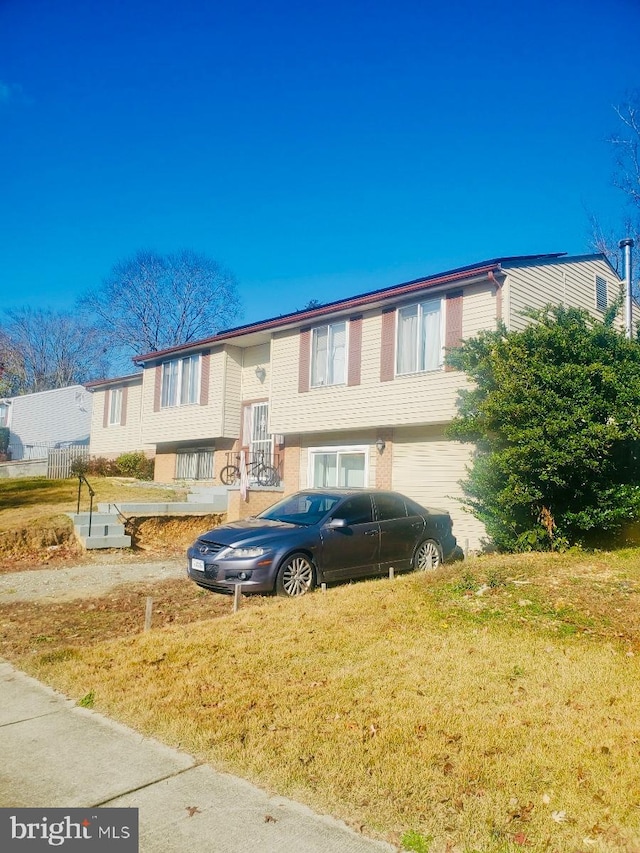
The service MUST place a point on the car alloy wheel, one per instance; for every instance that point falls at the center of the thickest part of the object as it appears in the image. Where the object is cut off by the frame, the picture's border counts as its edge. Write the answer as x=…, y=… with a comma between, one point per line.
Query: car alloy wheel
x=428, y=556
x=295, y=576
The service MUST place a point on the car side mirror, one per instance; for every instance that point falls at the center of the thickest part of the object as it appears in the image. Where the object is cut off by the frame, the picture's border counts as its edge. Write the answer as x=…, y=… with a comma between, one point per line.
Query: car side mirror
x=337, y=523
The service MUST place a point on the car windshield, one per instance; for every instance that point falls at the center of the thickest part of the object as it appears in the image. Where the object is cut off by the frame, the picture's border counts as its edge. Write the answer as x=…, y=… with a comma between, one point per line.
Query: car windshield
x=304, y=508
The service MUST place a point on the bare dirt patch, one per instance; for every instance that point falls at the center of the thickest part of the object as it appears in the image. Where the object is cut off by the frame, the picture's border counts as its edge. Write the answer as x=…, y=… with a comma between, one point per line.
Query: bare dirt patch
x=54, y=544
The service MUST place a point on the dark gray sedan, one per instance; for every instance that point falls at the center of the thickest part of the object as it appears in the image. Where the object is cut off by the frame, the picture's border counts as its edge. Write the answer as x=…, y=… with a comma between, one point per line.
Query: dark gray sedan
x=320, y=536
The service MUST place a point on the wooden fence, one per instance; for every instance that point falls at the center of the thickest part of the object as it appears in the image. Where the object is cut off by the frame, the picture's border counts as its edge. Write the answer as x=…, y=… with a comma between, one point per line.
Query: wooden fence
x=61, y=458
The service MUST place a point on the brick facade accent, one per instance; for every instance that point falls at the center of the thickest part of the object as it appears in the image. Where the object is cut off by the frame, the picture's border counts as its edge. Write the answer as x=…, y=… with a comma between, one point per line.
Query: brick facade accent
x=165, y=468
x=257, y=500
x=384, y=462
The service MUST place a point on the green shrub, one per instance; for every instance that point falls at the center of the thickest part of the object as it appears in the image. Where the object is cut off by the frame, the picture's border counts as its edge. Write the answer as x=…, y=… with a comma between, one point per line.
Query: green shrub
x=135, y=464
x=4, y=439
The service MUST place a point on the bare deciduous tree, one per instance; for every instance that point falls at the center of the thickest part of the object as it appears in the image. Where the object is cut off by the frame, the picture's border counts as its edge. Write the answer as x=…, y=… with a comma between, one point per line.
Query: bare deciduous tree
x=43, y=349
x=150, y=301
x=625, y=143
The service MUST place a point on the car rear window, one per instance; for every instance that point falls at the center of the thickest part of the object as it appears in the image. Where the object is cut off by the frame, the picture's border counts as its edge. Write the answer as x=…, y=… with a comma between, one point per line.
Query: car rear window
x=390, y=506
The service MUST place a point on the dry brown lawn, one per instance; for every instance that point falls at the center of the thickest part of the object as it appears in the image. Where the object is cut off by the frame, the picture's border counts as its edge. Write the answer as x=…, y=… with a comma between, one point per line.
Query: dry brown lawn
x=492, y=706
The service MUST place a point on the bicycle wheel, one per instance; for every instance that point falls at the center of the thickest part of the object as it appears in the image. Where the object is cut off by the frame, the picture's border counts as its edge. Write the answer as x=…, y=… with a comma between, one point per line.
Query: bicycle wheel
x=230, y=475
x=268, y=475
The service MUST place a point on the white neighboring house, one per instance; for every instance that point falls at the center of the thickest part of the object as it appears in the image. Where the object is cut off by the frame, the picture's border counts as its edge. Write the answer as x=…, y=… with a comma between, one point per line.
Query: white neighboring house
x=45, y=420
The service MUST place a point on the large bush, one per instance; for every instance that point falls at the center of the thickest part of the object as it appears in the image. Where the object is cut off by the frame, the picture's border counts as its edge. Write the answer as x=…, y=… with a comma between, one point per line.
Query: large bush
x=555, y=417
x=133, y=464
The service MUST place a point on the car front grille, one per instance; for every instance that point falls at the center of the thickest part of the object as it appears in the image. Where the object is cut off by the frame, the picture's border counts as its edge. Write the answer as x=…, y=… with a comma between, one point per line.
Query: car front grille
x=208, y=548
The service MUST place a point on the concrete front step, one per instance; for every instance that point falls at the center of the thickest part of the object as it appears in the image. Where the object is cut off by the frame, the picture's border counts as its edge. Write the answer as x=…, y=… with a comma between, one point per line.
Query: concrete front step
x=172, y=508
x=92, y=541
x=107, y=531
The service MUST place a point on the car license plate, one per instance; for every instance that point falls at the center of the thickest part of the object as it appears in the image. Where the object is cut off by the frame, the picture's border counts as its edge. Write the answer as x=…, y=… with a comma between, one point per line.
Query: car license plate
x=197, y=565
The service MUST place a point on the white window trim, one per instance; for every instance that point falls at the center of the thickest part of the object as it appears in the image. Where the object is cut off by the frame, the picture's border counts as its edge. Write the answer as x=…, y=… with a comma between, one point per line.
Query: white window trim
x=115, y=418
x=443, y=328
x=346, y=354
x=342, y=448
x=178, y=394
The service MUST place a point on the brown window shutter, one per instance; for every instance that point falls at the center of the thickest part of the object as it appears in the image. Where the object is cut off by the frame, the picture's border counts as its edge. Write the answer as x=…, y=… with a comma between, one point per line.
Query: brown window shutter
x=123, y=408
x=355, y=350
x=304, y=360
x=105, y=414
x=158, y=388
x=453, y=335
x=205, y=368
x=388, y=345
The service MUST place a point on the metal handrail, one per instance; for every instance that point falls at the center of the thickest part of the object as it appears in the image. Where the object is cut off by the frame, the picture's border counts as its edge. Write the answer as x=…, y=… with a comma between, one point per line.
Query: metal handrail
x=82, y=479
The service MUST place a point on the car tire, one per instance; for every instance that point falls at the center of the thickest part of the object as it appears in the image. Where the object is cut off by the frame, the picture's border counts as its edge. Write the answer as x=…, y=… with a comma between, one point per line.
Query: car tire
x=428, y=556
x=296, y=576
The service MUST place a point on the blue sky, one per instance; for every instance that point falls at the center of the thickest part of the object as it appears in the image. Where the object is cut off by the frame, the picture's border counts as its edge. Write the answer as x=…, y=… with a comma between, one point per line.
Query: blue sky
x=319, y=150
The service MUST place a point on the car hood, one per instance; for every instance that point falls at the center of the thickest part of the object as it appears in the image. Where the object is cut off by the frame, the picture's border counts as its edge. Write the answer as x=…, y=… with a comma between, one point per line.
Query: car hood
x=250, y=531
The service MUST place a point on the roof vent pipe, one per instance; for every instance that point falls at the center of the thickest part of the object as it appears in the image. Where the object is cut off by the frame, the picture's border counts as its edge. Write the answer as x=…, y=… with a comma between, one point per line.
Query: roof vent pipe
x=627, y=246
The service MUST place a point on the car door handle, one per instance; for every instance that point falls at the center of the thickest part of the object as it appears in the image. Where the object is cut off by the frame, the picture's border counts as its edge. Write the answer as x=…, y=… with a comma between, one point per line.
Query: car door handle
x=371, y=533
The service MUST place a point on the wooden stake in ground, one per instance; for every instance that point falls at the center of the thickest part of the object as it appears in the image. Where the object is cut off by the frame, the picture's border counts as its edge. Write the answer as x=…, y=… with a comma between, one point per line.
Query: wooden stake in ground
x=237, y=594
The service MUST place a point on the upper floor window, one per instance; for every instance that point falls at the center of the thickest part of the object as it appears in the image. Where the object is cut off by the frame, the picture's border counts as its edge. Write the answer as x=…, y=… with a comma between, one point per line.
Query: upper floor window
x=180, y=381
x=4, y=414
x=115, y=406
x=419, y=337
x=328, y=354
x=601, y=293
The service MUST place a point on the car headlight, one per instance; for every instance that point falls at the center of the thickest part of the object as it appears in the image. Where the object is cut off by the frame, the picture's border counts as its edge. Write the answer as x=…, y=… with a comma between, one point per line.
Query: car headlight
x=243, y=553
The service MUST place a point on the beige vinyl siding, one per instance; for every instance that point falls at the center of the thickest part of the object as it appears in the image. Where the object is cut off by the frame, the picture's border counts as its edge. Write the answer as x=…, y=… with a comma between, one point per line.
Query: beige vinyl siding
x=427, y=467
x=232, y=393
x=351, y=439
x=558, y=283
x=185, y=423
x=411, y=399
x=478, y=309
x=115, y=439
x=252, y=358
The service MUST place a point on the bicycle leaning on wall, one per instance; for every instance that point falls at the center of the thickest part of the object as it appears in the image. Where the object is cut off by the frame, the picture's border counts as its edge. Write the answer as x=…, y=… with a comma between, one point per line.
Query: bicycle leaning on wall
x=258, y=470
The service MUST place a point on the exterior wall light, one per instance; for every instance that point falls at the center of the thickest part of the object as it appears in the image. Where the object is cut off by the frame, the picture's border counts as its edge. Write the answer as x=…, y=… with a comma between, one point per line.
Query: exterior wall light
x=261, y=373
x=380, y=445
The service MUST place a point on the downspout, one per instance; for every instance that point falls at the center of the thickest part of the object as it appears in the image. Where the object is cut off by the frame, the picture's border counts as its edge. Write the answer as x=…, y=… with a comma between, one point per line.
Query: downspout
x=498, y=286
x=627, y=245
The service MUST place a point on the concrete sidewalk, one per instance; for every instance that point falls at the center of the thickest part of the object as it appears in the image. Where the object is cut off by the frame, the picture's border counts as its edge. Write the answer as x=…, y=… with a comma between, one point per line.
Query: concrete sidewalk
x=55, y=754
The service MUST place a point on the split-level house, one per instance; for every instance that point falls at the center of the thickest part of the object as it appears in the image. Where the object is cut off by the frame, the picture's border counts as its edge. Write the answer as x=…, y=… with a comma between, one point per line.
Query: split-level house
x=116, y=419
x=352, y=393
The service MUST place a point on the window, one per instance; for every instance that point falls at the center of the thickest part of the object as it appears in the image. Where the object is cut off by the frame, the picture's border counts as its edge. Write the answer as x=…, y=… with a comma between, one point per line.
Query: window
x=389, y=507
x=601, y=294
x=328, y=354
x=180, y=381
x=194, y=465
x=419, y=339
x=115, y=406
x=338, y=467
x=4, y=414
x=356, y=510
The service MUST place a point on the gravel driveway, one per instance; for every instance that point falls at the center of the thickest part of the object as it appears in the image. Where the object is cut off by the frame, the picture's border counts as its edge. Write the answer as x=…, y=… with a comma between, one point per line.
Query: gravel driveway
x=80, y=581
